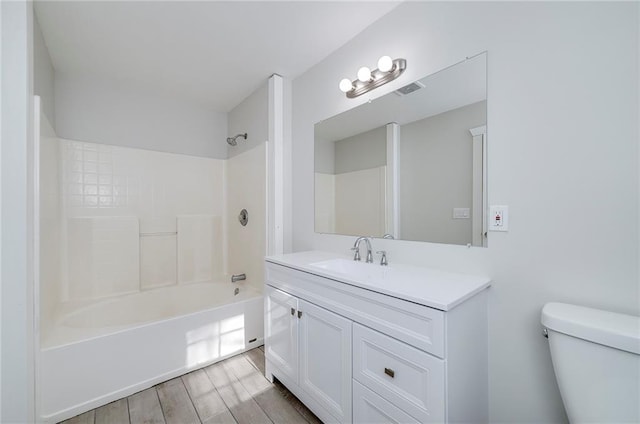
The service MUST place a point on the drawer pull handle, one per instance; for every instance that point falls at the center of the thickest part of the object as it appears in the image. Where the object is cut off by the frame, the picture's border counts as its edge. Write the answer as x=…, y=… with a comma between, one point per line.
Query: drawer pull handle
x=293, y=311
x=299, y=314
x=391, y=373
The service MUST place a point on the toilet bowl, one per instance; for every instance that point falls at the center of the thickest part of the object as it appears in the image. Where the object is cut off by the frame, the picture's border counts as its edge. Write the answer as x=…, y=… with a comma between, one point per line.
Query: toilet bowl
x=596, y=359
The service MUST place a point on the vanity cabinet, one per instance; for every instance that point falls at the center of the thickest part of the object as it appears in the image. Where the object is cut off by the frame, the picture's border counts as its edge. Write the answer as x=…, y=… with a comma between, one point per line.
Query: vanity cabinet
x=311, y=347
x=354, y=354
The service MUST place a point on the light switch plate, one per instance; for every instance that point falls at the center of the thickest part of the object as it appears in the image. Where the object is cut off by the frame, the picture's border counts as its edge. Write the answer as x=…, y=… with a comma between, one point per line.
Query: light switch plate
x=461, y=213
x=499, y=218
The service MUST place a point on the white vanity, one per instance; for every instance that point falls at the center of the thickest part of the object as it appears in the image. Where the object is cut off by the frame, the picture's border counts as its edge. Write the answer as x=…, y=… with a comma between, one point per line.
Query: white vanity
x=366, y=343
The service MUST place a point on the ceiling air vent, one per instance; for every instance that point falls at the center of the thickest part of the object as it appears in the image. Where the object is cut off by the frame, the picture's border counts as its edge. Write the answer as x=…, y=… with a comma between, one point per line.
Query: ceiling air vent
x=414, y=86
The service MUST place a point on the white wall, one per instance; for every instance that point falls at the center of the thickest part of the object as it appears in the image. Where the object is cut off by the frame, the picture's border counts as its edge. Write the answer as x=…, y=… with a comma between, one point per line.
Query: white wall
x=101, y=111
x=16, y=229
x=287, y=171
x=563, y=137
x=43, y=73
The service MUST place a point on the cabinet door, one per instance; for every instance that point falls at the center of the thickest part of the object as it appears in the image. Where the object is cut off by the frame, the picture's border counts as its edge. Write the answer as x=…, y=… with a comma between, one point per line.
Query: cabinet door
x=281, y=331
x=325, y=359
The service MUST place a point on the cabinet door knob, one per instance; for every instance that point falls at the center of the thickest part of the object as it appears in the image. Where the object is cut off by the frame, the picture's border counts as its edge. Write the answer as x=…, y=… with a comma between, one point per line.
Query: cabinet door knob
x=299, y=314
x=293, y=311
x=391, y=373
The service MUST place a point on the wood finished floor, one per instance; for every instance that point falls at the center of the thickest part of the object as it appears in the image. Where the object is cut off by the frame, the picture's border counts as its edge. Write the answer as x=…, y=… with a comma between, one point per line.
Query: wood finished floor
x=229, y=392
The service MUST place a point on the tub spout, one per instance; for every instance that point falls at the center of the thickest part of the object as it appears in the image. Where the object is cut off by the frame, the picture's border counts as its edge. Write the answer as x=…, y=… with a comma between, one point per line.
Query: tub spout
x=238, y=277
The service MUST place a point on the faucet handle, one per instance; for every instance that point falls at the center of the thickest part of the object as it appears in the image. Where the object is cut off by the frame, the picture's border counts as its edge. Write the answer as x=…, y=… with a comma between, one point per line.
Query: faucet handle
x=356, y=257
x=383, y=259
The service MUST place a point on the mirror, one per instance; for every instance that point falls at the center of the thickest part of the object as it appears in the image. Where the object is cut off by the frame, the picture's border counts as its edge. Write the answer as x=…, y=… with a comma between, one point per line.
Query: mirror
x=411, y=164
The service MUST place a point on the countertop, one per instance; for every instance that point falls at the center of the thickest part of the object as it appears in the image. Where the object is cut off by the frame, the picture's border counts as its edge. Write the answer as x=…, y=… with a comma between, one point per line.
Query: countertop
x=429, y=287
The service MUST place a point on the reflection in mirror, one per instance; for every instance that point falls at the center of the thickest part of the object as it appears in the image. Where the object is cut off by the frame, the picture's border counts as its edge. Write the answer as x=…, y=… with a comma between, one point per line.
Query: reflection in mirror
x=409, y=165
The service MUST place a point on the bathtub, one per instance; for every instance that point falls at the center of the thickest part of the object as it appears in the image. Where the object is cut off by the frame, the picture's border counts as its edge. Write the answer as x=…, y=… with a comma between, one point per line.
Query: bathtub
x=101, y=352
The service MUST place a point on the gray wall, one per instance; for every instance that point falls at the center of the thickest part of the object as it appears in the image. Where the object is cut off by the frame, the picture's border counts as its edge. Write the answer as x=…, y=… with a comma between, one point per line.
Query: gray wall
x=251, y=116
x=361, y=151
x=436, y=175
x=100, y=111
x=563, y=133
x=324, y=156
x=43, y=73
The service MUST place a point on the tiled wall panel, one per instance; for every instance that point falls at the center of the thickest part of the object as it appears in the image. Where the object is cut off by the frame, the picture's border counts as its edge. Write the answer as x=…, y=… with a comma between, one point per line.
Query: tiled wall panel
x=158, y=260
x=103, y=256
x=100, y=183
x=199, y=248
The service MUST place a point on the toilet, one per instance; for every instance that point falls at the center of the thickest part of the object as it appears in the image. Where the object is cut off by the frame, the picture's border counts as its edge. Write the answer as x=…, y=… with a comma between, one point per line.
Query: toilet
x=596, y=359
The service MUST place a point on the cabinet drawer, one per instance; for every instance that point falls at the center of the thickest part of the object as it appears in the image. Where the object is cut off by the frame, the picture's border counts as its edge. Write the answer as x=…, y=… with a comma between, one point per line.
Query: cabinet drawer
x=369, y=408
x=409, y=378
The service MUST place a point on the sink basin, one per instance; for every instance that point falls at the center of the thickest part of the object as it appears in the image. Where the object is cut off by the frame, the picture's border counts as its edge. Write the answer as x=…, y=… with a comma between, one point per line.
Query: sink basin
x=355, y=269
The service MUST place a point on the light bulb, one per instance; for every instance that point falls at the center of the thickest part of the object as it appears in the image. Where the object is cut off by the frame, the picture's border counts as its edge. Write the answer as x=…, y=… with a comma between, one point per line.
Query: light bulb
x=364, y=74
x=385, y=64
x=345, y=85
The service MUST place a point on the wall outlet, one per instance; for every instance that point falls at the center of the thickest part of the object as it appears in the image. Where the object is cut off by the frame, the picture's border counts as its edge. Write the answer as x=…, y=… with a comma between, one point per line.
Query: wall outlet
x=499, y=218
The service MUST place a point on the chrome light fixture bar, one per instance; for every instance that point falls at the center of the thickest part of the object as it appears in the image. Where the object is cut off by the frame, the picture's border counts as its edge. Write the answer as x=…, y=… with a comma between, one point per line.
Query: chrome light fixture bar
x=367, y=80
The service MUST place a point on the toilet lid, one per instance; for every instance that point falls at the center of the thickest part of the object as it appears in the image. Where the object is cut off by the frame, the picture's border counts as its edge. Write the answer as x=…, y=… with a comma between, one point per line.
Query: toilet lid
x=607, y=328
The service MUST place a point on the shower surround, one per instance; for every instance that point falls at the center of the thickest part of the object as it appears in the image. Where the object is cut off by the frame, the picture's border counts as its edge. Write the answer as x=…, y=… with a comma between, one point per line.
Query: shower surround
x=137, y=248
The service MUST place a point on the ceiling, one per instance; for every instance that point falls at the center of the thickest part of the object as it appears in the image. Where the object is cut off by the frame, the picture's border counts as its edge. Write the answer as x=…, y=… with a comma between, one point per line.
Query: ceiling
x=212, y=52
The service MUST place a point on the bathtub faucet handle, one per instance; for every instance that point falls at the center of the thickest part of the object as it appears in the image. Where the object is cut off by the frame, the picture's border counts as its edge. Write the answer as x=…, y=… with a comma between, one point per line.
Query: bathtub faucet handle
x=238, y=277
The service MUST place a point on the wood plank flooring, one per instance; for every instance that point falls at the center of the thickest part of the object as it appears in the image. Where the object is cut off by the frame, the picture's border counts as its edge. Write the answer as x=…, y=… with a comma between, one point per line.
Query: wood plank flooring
x=233, y=391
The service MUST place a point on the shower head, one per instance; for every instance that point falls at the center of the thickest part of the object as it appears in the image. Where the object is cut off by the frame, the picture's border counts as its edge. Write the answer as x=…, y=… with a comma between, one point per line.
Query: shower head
x=232, y=140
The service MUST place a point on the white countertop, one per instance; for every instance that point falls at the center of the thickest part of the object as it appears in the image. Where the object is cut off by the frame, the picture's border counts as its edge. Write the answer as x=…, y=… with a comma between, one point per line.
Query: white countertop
x=433, y=288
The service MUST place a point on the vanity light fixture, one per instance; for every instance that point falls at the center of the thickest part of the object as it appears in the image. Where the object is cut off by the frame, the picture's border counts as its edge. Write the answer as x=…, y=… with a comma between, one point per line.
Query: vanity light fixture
x=367, y=80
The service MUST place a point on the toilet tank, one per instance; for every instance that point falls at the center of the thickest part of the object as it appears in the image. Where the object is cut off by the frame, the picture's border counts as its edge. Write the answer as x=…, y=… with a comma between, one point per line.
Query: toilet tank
x=596, y=359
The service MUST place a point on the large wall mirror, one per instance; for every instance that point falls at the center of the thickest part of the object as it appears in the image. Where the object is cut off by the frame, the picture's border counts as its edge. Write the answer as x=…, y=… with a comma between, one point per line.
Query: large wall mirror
x=409, y=165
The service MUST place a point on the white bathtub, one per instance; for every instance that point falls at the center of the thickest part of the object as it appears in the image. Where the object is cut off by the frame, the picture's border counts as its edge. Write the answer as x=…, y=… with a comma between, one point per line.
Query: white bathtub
x=117, y=347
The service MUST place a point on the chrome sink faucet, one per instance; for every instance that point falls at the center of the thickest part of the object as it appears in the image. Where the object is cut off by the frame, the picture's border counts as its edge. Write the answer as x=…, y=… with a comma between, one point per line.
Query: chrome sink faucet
x=356, y=247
